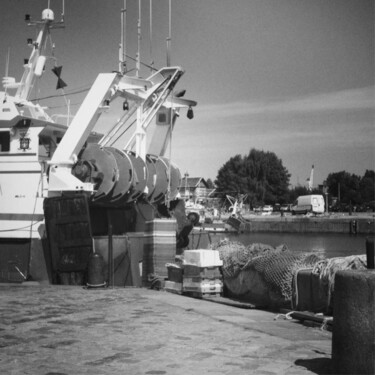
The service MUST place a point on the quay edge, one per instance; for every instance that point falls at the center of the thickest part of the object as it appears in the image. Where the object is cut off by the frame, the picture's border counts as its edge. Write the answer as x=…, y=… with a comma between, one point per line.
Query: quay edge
x=353, y=225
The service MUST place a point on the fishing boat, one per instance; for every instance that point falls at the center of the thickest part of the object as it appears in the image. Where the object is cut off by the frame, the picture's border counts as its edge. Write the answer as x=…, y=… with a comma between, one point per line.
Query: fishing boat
x=28, y=139
x=63, y=185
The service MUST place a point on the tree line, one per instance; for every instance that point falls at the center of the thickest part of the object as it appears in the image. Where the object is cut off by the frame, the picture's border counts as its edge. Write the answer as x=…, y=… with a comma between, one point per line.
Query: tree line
x=262, y=176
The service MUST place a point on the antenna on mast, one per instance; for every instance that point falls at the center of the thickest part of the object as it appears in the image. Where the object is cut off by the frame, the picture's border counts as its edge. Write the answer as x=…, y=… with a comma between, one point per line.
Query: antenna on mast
x=122, y=53
x=152, y=60
x=7, y=63
x=169, y=38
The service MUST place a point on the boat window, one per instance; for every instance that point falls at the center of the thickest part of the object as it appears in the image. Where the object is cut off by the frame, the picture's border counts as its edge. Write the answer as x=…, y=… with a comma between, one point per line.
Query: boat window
x=4, y=141
x=46, y=145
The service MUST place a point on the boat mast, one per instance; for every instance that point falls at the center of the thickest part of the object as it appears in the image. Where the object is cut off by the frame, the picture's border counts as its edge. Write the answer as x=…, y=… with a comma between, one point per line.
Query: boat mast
x=33, y=67
x=169, y=38
x=122, y=55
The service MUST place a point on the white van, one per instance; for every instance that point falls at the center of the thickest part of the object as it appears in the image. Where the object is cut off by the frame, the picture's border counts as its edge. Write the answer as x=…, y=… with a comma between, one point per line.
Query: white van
x=308, y=203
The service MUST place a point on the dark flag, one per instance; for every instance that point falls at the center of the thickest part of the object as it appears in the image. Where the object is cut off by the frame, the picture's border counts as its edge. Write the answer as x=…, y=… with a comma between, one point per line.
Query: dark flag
x=60, y=83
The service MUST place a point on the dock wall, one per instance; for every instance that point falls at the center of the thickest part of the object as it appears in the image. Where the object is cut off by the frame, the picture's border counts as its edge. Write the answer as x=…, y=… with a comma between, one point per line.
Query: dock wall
x=309, y=225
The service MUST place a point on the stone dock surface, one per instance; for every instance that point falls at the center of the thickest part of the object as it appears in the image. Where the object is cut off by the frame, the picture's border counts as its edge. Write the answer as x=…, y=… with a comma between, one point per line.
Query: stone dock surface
x=52, y=329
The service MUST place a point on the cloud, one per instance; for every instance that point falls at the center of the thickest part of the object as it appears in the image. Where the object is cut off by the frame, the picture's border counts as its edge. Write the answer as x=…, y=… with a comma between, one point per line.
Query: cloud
x=353, y=99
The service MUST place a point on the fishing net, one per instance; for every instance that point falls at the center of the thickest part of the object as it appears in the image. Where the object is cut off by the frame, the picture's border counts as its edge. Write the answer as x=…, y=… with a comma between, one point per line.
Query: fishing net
x=279, y=267
x=326, y=270
x=276, y=266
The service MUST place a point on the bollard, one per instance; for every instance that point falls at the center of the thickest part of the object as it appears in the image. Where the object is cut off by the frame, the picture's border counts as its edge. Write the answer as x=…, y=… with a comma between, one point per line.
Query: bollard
x=370, y=253
x=353, y=227
x=353, y=323
x=95, y=277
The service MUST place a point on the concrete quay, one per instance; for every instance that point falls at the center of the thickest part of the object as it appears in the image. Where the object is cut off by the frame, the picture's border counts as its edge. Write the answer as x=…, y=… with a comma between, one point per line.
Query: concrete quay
x=54, y=329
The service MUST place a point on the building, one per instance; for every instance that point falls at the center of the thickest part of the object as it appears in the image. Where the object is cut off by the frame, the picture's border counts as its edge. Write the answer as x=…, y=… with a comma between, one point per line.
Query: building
x=194, y=188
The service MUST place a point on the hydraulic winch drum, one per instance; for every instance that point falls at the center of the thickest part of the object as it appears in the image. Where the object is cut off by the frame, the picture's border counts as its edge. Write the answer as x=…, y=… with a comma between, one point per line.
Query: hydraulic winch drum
x=121, y=177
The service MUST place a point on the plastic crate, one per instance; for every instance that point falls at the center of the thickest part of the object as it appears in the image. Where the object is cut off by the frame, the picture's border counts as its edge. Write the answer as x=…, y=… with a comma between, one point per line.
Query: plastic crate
x=175, y=273
x=201, y=289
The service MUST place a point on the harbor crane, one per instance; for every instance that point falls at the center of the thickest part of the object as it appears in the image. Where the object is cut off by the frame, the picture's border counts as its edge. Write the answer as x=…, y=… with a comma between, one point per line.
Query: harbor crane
x=310, y=179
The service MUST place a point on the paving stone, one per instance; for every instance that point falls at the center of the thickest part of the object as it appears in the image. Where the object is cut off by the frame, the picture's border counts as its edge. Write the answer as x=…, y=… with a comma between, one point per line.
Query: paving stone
x=73, y=330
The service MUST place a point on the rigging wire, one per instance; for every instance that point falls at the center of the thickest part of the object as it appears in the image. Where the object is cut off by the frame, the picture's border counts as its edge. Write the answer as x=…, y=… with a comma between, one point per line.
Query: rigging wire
x=59, y=95
x=121, y=134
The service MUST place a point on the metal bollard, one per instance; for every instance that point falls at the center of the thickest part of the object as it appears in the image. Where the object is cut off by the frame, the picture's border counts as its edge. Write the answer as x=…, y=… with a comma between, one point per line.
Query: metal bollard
x=370, y=253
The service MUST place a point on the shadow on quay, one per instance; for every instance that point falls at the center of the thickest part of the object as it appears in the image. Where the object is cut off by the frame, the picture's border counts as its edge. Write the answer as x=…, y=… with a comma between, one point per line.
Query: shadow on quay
x=320, y=366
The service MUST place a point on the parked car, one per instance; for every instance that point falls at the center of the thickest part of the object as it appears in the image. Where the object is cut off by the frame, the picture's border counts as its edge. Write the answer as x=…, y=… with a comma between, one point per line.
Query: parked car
x=267, y=209
x=285, y=207
x=308, y=203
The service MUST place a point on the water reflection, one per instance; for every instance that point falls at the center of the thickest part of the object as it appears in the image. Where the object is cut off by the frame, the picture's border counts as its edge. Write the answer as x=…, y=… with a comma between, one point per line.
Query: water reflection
x=327, y=244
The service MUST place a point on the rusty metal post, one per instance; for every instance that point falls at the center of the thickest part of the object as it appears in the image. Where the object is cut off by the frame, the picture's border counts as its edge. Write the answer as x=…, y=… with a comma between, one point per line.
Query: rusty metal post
x=370, y=253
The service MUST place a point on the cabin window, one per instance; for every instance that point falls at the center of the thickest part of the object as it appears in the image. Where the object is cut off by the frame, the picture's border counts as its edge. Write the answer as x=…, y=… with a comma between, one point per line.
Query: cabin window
x=4, y=141
x=44, y=146
x=47, y=146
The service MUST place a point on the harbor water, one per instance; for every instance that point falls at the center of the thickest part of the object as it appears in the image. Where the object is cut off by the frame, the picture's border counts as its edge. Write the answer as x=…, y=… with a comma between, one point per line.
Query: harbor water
x=329, y=245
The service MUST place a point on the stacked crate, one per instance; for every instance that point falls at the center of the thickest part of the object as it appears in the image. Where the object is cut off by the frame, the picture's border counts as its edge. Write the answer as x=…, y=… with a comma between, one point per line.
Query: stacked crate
x=175, y=278
x=202, y=276
x=159, y=249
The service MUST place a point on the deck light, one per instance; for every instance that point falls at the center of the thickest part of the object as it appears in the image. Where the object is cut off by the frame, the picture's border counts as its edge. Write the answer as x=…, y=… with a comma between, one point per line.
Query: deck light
x=125, y=105
x=24, y=143
x=29, y=42
x=27, y=17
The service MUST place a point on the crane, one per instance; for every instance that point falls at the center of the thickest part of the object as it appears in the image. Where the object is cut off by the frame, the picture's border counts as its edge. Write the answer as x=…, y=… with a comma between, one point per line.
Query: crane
x=310, y=179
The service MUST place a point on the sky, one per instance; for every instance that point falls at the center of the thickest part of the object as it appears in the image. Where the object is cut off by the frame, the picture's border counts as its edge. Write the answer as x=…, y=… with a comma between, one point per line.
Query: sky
x=293, y=77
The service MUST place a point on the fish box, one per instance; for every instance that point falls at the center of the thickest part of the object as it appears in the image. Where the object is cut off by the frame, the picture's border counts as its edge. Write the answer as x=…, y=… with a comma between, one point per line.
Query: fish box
x=173, y=287
x=309, y=293
x=175, y=273
x=202, y=272
x=202, y=258
x=203, y=288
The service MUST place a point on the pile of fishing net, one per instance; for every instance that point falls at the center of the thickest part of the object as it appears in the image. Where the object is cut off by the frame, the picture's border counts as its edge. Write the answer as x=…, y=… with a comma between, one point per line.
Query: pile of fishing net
x=257, y=268
x=326, y=270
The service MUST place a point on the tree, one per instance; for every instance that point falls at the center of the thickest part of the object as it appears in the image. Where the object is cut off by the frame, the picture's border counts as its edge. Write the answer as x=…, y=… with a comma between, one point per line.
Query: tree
x=260, y=174
x=297, y=191
x=345, y=186
x=210, y=184
x=367, y=186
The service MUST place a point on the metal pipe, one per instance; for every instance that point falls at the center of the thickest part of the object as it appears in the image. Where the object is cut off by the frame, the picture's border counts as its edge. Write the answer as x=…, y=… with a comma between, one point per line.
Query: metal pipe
x=110, y=251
